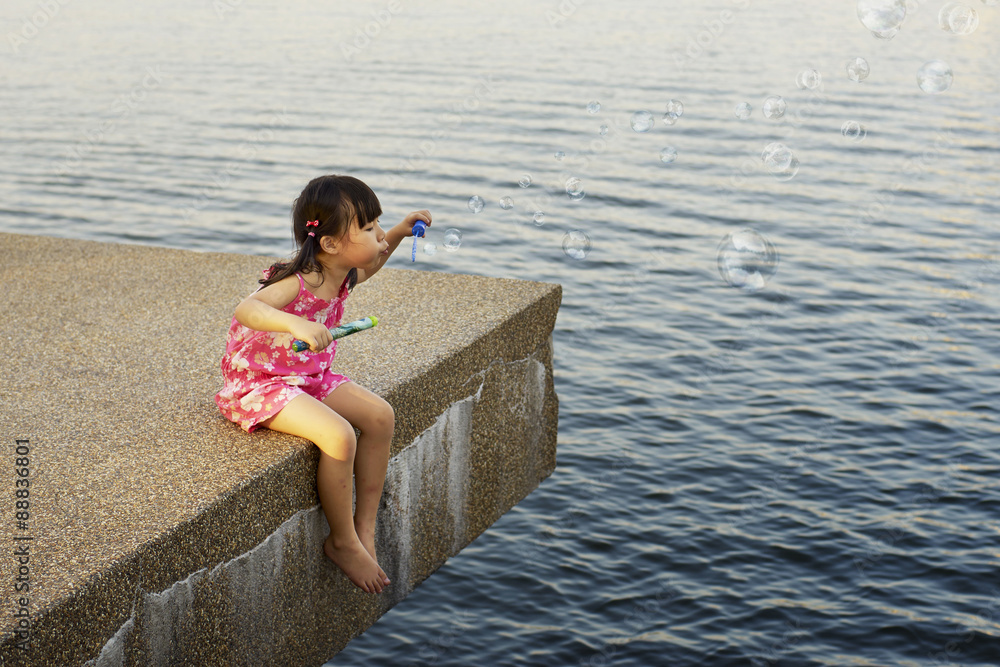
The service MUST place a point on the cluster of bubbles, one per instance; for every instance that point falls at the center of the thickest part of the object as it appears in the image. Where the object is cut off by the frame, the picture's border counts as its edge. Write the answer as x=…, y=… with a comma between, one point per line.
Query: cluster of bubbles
x=885, y=17
x=674, y=111
x=747, y=259
x=643, y=121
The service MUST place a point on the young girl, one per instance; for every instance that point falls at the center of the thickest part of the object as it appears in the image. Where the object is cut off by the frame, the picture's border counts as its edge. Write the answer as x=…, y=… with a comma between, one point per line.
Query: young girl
x=340, y=244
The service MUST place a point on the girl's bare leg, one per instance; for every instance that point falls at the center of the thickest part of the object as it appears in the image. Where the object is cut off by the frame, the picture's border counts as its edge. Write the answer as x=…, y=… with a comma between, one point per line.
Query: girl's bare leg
x=376, y=421
x=306, y=417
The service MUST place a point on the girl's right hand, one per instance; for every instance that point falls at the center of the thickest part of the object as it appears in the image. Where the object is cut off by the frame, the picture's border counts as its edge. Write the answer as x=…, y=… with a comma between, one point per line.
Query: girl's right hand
x=313, y=333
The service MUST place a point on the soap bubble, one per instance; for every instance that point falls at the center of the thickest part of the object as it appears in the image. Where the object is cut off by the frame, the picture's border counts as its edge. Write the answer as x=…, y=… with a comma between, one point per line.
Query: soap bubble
x=538, y=218
x=577, y=196
x=576, y=244
x=808, y=78
x=780, y=161
x=773, y=107
x=934, y=77
x=430, y=248
x=858, y=69
x=776, y=156
x=944, y=13
x=524, y=181
x=964, y=20
x=743, y=110
x=882, y=17
x=476, y=203
x=506, y=203
x=642, y=121
x=668, y=155
x=886, y=34
x=593, y=107
x=674, y=111
x=560, y=155
x=603, y=130
x=958, y=19
x=452, y=239
x=574, y=186
x=854, y=131
x=747, y=260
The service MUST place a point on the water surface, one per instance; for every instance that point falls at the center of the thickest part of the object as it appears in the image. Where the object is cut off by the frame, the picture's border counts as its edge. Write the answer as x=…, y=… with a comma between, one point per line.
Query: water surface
x=799, y=476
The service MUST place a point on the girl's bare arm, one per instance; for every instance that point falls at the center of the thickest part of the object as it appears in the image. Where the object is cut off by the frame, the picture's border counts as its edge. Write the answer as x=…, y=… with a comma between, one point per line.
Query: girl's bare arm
x=261, y=311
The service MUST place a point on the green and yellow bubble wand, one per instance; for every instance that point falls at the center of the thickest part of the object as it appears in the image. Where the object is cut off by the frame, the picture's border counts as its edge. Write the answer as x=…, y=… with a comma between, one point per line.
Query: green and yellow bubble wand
x=341, y=331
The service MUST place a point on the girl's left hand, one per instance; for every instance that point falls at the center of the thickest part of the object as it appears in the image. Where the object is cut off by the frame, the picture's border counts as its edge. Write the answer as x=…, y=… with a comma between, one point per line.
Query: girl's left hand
x=413, y=217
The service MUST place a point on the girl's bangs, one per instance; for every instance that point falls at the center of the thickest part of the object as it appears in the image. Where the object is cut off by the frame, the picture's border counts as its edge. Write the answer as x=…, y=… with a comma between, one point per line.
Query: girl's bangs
x=362, y=199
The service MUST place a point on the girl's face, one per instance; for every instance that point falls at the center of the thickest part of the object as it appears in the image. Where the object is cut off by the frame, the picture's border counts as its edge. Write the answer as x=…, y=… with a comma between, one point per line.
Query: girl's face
x=364, y=246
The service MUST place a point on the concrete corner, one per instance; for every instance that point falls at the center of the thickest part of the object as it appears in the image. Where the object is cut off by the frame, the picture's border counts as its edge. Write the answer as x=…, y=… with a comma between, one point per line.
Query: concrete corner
x=157, y=532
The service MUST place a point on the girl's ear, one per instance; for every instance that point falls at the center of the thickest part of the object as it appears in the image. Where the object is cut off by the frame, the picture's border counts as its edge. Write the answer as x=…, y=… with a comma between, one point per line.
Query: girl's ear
x=328, y=245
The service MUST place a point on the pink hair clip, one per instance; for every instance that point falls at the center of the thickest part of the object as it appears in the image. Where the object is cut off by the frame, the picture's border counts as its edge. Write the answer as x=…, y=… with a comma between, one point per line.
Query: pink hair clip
x=312, y=234
x=312, y=223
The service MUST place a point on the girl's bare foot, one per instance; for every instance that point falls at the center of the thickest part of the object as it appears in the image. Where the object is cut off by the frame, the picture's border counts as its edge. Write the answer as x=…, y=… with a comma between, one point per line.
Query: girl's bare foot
x=367, y=537
x=357, y=564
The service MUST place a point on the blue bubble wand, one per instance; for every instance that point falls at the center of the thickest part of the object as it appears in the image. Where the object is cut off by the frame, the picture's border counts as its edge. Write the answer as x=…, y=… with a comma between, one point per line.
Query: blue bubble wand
x=419, y=228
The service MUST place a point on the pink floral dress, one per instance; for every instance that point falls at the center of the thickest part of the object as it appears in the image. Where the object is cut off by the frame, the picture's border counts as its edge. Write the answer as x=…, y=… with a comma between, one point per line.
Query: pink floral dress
x=262, y=373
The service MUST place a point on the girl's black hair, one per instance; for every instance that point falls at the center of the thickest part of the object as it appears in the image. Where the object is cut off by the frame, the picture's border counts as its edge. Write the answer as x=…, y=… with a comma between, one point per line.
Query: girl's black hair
x=332, y=200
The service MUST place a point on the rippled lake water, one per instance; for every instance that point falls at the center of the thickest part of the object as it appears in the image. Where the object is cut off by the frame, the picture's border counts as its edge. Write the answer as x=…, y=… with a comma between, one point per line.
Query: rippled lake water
x=802, y=475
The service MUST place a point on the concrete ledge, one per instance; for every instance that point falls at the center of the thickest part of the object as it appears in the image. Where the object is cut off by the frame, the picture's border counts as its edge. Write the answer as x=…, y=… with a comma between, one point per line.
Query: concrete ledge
x=162, y=533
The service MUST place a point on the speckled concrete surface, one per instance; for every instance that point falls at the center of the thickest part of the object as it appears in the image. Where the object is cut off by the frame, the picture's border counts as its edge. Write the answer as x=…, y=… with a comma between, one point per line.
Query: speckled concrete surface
x=137, y=482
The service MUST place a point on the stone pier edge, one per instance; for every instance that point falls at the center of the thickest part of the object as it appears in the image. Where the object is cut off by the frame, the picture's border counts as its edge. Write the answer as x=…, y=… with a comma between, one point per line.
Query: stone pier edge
x=92, y=612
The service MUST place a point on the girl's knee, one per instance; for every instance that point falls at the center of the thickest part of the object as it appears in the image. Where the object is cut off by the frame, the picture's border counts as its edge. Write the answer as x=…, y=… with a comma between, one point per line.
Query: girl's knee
x=379, y=419
x=384, y=418
x=339, y=439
